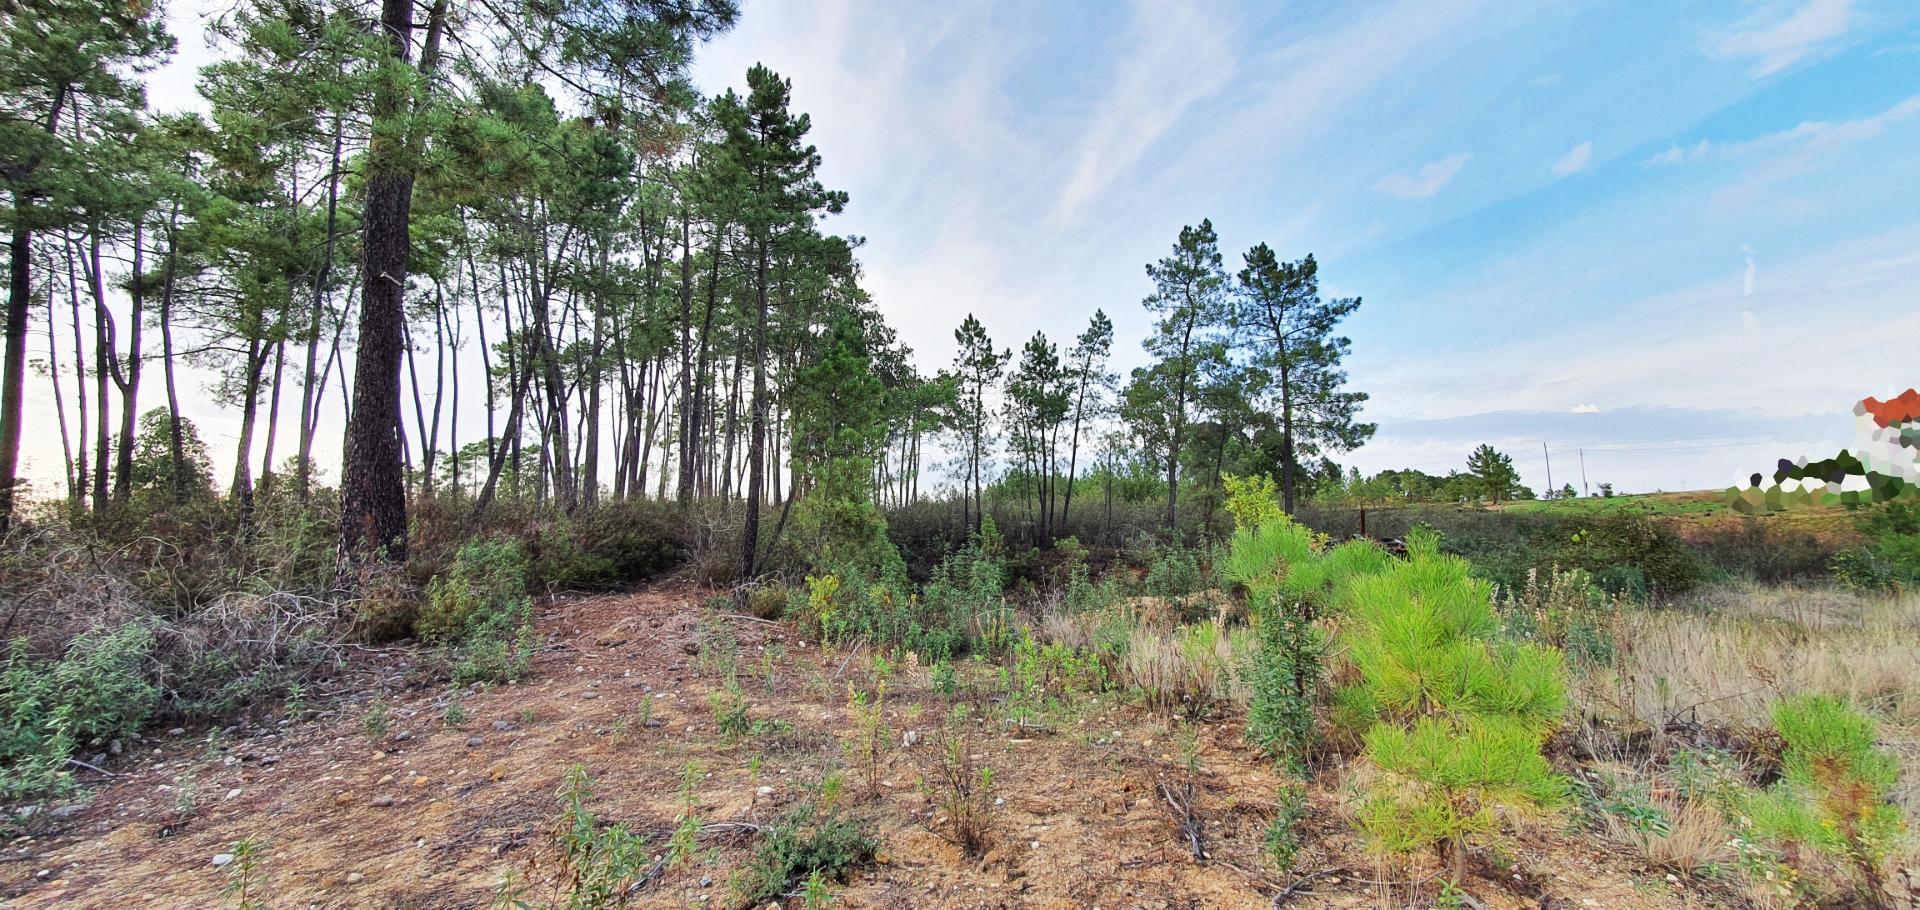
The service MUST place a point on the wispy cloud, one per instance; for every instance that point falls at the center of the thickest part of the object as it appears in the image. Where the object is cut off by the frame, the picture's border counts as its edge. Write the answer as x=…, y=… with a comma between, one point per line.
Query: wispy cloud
x=1575, y=160
x=1177, y=55
x=1680, y=155
x=1584, y=409
x=1808, y=134
x=1431, y=178
x=1778, y=44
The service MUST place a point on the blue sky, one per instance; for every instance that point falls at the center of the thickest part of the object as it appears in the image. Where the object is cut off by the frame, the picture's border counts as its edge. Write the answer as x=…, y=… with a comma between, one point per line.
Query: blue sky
x=1680, y=236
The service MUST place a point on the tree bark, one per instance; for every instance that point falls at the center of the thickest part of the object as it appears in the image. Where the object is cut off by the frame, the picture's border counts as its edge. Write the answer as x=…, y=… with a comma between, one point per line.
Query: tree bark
x=373, y=495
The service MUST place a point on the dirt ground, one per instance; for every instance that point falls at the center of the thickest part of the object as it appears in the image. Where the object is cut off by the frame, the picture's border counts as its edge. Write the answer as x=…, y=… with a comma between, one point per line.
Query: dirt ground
x=429, y=815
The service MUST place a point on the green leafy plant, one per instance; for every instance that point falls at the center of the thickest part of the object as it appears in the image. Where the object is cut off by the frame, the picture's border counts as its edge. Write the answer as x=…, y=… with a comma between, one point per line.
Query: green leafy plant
x=1283, y=840
x=1832, y=800
x=100, y=689
x=814, y=842
x=243, y=875
x=378, y=721
x=1290, y=580
x=730, y=713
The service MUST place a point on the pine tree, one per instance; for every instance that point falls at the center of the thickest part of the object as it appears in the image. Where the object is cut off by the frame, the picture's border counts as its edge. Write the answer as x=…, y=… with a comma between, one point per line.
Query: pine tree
x=58, y=60
x=977, y=368
x=1290, y=336
x=780, y=195
x=1087, y=365
x=1190, y=300
x=1495, y=473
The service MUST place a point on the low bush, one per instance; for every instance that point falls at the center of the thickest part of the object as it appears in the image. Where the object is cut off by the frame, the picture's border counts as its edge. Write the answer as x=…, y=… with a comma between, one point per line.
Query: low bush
x=486, y=584
x=479, y=610
x=1460, y=712
x=814, y=840
x=961, y=790
x=1888, y=559
x=99, y=690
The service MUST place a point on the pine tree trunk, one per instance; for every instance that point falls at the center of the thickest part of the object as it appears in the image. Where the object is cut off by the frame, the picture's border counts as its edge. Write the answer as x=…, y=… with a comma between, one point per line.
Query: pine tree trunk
x=756, y=451
x=13, y=375
x=373, y=494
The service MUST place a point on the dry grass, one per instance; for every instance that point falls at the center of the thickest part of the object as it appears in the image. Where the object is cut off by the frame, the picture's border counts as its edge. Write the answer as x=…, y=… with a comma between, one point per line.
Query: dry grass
x=1193, y=667
x=1726, y=655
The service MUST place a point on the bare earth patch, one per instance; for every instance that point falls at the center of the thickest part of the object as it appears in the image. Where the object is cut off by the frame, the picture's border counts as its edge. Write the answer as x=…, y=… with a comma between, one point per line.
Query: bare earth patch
x=431, y=816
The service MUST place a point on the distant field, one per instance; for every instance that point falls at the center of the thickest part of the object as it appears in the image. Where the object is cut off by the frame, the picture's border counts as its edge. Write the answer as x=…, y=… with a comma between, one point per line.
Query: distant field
x=1692, y=507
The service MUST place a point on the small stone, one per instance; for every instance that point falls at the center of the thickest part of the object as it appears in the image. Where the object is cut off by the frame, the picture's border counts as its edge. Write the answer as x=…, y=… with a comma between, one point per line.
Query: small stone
x=182, y=731
x=764, y=791
x=233, y=793
x=421, y=781
x=382, y=801
x=908, y=738
x=342, y=798
x=354, y=878
x=220, y=860
x=503, y=725
x=474, y=742
x=403, y=736
x=589, y=694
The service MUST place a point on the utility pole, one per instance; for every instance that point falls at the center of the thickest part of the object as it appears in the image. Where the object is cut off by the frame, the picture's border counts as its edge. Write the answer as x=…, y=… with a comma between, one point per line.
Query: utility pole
x=1583, y=473
x=1549, y=455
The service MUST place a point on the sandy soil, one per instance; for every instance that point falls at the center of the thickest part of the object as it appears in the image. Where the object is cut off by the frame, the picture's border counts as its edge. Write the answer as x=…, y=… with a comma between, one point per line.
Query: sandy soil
x=432, y=816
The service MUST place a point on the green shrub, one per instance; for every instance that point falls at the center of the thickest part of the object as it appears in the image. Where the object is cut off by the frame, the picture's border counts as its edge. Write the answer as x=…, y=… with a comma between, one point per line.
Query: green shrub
x=487, y=582
x=479, y=610
x=811, y=841
x=99, y=690
x=1568, y=611
x=1290, y=582
x=1889, y=559
x=1460, y=713
x=1833, y=795
x=495, y=654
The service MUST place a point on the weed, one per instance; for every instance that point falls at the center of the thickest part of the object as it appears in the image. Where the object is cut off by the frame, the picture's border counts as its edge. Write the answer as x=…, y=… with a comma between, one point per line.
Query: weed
x=243, y=875
x=378, y=721
x=1283, y=840
x=98, y=690
x=960, y=790
x=867, y=747
x=598, y=865
x=719, y=649
x=942, y=678
x=730, y=713
x=455, y=713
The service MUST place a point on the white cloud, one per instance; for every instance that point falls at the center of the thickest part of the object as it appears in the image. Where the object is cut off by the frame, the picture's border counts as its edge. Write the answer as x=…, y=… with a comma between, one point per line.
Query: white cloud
x=1777, y=45
x=1678, y=155
x=1431, y=178
x=1809, y=134
x=1177, y=57
x=1574, y=161
x=1585, y=409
